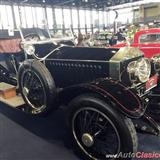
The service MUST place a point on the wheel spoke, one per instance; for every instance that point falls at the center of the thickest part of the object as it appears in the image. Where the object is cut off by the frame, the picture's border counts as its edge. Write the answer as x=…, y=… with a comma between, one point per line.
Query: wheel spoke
x=31, y=81
x=90, y=120
x=96, y=133
x=101, y=129
x=34, y=83
x=35, y=91
x=26, y=79
x=81, y=123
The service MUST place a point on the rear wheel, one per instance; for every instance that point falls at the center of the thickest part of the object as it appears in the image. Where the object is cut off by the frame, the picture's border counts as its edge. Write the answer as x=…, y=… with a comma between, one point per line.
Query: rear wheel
x=37, y=87
x=98, y=131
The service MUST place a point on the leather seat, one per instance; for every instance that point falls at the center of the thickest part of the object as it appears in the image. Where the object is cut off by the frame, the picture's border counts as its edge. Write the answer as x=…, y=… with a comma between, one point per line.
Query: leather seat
x=10, y=46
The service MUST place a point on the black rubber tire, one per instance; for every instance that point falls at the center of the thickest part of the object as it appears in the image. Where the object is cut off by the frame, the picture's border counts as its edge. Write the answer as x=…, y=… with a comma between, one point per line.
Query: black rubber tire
x=44, y=75
x=123, y=124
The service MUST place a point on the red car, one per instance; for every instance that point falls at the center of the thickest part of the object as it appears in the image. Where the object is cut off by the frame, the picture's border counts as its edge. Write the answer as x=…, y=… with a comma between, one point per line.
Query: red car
x=147, y=40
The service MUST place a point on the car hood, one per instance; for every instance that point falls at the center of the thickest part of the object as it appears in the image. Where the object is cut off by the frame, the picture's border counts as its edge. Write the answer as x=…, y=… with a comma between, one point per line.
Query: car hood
x=97, y=54
x=84, y=53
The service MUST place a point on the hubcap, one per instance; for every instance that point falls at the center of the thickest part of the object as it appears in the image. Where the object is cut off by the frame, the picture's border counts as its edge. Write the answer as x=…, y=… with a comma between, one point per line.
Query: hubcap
x=87, y=140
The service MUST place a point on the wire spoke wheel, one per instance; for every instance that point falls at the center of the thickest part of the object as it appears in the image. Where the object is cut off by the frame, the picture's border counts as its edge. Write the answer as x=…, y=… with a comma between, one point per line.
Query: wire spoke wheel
x=37, y=87
x=33, y=91
x=95, y=133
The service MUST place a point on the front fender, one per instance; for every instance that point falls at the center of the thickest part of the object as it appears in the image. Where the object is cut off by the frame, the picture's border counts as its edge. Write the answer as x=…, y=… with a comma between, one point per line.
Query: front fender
x=123, y=98
x=120, y=96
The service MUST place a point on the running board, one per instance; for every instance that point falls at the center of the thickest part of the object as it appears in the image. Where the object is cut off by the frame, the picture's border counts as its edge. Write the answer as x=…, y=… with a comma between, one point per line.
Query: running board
x=9, y=96
x=14, y=102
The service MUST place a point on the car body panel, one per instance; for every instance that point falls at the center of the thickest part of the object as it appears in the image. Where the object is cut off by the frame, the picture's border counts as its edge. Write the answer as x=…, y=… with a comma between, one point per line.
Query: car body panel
x=114, y=92
x=74, y=65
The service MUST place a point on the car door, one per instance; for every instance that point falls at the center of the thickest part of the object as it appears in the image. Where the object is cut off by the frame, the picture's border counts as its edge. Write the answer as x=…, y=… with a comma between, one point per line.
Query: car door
x=150, y=49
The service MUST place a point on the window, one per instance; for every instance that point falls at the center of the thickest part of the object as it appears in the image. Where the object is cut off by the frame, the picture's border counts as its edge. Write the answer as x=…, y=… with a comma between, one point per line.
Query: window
x=58, y=13
x=82, y=18
x=95, y=19
x=88, y=19
x=101, y=20
x=23, y=17
x=6, y=19
x=29, y=17
x=67, y=18
x=34, y=15
x=149, y=38
x=17, y=17
x=75, y=18
x=49, y=17
x=40, y=16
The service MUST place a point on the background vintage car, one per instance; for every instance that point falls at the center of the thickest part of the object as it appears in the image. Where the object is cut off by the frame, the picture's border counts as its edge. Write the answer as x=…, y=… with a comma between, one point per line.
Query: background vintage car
x=147, y=41
x=100, y=39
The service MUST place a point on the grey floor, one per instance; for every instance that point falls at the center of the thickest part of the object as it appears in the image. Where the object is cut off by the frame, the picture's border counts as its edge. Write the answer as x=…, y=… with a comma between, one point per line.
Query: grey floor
x=23, y=137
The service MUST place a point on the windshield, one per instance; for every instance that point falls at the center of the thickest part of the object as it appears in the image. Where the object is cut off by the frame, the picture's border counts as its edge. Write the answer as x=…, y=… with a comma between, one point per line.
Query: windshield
x=39, y=35
x=44, y=34
x=126, y=53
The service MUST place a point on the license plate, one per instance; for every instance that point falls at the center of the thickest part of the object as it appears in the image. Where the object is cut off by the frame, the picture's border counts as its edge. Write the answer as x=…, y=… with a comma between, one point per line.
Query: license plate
x=152, y=82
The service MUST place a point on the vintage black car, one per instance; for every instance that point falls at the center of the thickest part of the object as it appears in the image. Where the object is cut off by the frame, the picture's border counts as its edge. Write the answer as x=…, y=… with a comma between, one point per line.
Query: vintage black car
x=107, y=92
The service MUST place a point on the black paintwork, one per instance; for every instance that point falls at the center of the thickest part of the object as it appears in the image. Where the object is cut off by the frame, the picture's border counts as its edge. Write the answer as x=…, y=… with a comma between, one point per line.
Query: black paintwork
x=70, y=65
x=79, y=69
x=84, y=53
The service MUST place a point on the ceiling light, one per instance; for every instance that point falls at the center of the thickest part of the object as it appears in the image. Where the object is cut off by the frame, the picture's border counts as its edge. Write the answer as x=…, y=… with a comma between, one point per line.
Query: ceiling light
x=24, y=1
x=109, y=3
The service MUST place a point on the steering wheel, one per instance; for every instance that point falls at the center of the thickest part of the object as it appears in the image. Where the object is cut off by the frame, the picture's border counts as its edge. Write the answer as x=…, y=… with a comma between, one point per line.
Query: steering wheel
x=32, y=37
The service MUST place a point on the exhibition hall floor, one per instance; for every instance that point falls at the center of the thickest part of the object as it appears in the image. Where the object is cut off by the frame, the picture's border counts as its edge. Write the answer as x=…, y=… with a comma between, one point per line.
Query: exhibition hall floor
x=23, y=137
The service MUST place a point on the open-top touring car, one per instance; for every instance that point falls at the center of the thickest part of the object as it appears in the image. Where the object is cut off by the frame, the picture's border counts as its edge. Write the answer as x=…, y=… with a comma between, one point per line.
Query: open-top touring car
x=105, y=90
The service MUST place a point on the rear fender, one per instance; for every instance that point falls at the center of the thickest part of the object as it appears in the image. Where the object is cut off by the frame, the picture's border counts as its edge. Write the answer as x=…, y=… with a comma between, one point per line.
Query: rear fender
x=117, y=94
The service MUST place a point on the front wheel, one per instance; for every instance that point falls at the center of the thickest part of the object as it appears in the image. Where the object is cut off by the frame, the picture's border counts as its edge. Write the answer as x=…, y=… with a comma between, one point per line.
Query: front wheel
x=37, y=87
x=98, y=131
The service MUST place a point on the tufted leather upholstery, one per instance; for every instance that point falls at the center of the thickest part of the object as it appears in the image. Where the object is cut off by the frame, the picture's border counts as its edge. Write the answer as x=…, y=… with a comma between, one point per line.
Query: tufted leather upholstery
x=10, y=46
